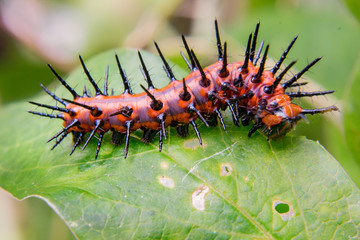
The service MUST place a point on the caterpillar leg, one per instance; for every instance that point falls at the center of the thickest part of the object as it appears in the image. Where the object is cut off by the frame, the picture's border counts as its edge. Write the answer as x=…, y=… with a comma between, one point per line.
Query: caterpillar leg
x=211, y=119
x=148, y=135
x=78, y=137
x=117, y=138
x=183, y=130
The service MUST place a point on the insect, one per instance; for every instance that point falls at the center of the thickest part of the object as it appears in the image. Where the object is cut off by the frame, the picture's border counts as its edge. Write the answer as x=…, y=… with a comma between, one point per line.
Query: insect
x=252, y=94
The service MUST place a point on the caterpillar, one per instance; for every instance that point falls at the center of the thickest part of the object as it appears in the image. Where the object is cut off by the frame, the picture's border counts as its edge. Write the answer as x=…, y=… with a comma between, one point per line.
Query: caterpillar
x=253, y=94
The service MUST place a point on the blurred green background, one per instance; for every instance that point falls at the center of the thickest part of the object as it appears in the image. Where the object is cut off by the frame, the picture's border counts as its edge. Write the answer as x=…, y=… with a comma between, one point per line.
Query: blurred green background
x=36, y=32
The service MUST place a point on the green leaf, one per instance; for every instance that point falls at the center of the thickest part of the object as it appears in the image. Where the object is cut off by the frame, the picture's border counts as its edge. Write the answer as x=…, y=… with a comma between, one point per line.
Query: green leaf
x=354, y=7
x=352, y=112
x=231, y=187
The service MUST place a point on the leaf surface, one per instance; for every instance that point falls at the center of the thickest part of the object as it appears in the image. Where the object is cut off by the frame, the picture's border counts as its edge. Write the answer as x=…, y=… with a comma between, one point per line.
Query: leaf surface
x=352, y=112
x=231, y=187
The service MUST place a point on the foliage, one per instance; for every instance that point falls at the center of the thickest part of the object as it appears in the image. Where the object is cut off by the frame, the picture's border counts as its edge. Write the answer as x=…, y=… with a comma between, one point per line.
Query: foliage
x=231, y=187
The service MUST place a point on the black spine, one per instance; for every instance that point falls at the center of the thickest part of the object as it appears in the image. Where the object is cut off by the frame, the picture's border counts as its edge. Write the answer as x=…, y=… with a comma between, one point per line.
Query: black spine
x=193, y=66
x=308, y=94
x=299, y=74
x=186, y=60
x=91, y=80
x=196, y=131
x=167, y=67
x=223, y=71
x=155, y=104
x=106, y=84
x=78, y=141
x=271, y=89
x=235, y=118
x=192, y=108
x=262, y=64
x=204, y=81
x=127, y=88
x=65, y=129
x=283, y=56
x=56, y=98
x=98, y=124
x=80, y=104
x=160, y=140
x=71, y=90
x=220, y=117
x=100, y=138
x=257, y=57
x=247, y=55
x=47, y=115
x=85, y=92
x=145, y=72
x=218, y=42
x=161, y=118
x=185, y=95
x=50, y=107
x=58, y=141
x=253, y=45
x=319, y=110
x=127, y=138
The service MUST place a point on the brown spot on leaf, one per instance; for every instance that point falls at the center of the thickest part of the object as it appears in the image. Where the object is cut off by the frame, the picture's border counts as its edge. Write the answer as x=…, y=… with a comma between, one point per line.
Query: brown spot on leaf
x=164, y=165
x=192, y=144
x=198, y=197
x=225, y=169
x=166, y=181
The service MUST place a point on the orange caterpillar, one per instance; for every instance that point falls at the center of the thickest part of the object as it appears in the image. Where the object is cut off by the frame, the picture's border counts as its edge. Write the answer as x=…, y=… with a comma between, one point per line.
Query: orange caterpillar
x=251, y=93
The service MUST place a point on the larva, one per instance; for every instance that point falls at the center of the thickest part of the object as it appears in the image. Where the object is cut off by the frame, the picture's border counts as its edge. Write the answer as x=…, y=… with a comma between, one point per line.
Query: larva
x=252, y=94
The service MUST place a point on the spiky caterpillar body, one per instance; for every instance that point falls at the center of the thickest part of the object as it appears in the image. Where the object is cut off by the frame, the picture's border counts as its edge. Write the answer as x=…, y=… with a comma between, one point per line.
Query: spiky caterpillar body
x=252, y=94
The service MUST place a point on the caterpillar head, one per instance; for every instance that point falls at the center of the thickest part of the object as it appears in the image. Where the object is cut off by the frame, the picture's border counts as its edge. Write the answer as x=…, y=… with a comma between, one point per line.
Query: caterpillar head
x=279, y=124
x=280, y=120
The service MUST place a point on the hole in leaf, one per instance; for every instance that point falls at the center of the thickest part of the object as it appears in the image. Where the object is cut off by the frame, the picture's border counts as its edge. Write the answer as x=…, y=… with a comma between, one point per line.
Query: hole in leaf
x=282, y=208
x=225, y=169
